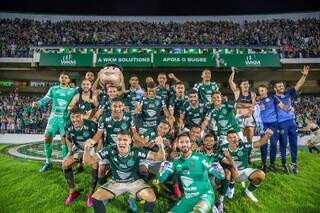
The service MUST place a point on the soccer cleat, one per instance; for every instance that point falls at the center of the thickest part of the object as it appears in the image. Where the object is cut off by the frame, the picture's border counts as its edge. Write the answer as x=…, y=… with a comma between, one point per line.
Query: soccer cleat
x=294, y=168
x=272, y=168
x=72, y=196
x=89, y=200
x=45, y=167
x=230, y=193
x=285, y=169
x=251, y=196
x=132, y=204
x=264, y=168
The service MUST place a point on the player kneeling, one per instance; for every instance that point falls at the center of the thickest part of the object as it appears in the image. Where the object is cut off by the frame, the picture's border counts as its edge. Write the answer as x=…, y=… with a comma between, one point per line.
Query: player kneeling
x=77, y=133
x=124, y=162
x=192, y=169
x=239, y=151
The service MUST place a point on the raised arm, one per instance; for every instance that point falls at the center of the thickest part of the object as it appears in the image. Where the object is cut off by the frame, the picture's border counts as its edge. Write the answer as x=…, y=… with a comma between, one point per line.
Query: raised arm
x=160, y=155
x=232, y=84
x=74, y=101
x=302, y=79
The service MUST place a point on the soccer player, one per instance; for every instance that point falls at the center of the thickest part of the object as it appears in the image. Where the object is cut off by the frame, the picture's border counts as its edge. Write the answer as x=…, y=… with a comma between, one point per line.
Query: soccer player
x=149, y=109
x=110, y=126
x=77, y=133
x=246, y=100
x=192, y=111
x=163, y=89
x=222, y=177
x=223, y=114
x=134, y=94
x=286, y=120
x=124, y=161
x=239, y=151
x=177, y=100
x=206, y=88
x=192, y=169
x=60, y=97
x=268, y=116
x=85, y=100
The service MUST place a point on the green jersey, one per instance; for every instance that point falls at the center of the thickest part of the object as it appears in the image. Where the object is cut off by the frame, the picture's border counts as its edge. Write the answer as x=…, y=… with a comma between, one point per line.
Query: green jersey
x=124, y=168
x=176, y=103
x=164, y=93
x=60, y=98
x=224, y=117
x=133, y=97
x=205, y=91
x=112, y=127
x=150, y=112
x=239, y=155
x=79, y=136
x=193, y=173
x=215, y=156
x=192, y=115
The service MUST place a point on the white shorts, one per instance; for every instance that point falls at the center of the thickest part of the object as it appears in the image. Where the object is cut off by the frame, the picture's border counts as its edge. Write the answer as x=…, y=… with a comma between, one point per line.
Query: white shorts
x=245, y=122
x=117, y=188
x=152, y=166
x=244, y=174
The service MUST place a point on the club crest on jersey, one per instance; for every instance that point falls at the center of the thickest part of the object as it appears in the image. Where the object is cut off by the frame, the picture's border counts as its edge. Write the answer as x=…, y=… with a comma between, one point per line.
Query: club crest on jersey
x=124, y=126
x=186, y=181
x=86, y=134
x=240, y=153
x=224, y=111
x=130, y=163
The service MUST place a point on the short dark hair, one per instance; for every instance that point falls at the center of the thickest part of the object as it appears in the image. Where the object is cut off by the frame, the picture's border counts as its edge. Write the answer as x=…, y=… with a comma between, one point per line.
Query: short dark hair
x=195, y=126
x=75, y=110
x=179, y=83
x=231, y=131
x=134, y=76
x=192, y=91
x=162, y=73
x=165, y=122
x=125, y=132
x=182, y=135
x=209, y=135
x=277, y=82
x=243, y=80
x=151, y=85
x=263, y=85
x=116, y=99
x=64, y=73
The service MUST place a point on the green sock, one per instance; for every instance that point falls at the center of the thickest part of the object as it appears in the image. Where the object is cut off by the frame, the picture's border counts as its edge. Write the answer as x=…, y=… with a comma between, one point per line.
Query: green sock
x=48, y=151
x=64, y=150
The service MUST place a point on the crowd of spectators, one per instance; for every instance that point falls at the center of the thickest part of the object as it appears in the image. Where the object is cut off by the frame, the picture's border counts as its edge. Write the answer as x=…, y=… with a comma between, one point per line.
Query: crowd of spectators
x=17, y=115
x=295, y=39
x=307, y=108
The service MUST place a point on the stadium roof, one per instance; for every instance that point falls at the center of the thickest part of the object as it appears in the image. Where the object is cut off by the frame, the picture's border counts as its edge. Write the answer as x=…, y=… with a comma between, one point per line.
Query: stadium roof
x=160, y=7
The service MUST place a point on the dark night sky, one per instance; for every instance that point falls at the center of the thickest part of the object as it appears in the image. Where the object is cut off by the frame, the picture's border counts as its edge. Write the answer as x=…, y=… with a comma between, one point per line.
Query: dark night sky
x=157, y=7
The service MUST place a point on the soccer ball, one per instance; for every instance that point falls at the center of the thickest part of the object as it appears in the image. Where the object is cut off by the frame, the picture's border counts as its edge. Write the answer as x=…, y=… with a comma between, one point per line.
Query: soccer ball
x=111, y=75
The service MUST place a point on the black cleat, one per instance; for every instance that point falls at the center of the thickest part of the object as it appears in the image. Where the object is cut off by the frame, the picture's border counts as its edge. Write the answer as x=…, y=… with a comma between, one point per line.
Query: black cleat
x=294, y=168
x=272, y=168
x=285, y=169
x=264, y=168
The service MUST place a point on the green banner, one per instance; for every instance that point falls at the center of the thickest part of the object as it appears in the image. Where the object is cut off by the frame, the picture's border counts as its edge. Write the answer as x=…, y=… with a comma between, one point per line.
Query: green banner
x=248, y=60
x=66, y=60
x=125, y=60
x=184, y=60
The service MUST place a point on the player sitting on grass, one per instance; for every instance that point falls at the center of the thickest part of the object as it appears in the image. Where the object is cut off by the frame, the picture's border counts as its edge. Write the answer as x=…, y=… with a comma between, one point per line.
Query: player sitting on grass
x=239, y=150
x=192, y=169
x=124, y=161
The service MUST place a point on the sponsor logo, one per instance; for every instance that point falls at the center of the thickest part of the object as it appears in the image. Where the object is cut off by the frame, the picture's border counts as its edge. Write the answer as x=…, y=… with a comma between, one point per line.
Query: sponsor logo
x=67, y=60
x=252, y=61
x=186, y=181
